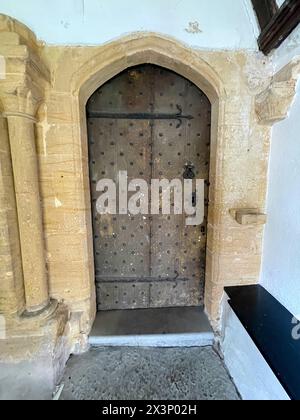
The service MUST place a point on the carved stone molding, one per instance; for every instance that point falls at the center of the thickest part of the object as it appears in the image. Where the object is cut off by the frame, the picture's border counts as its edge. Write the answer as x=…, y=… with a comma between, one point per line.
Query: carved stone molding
x=274, y=103
x=26, y=77
x=21, y=102
x=10, y=25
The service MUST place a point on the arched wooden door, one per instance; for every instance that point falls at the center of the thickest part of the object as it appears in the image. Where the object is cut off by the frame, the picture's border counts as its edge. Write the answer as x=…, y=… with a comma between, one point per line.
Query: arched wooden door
x=150, y=122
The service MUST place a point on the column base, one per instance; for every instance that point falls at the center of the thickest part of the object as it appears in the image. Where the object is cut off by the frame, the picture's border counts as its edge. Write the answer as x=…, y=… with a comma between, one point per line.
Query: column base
x=43, y=313
x=38, y=343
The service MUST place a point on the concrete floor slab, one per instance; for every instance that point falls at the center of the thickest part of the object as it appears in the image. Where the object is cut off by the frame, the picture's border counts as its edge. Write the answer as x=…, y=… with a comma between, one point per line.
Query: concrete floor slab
x=163, y=327
x=148, y=374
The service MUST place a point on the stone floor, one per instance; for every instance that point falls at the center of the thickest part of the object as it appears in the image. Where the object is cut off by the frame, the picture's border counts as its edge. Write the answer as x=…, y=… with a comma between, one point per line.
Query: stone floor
x=148, y=373
x=30, y=380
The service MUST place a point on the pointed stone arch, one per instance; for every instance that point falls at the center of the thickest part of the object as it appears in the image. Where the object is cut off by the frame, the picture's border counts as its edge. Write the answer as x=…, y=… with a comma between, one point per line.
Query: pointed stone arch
x=172, y=55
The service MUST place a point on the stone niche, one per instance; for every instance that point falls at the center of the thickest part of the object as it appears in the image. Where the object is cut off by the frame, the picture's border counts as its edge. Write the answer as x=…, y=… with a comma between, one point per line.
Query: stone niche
x=47, y=288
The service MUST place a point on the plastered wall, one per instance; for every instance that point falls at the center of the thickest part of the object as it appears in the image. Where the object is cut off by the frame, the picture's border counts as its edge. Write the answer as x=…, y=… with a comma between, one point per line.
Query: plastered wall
x=281, y=256
x=214, y=24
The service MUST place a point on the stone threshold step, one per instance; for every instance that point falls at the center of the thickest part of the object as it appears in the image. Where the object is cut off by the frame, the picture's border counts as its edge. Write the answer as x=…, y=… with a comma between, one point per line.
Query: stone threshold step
x=163, y=327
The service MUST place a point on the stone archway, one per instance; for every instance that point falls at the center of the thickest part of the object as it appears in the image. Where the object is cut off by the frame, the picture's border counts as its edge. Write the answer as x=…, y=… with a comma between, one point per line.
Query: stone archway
x=171, y=55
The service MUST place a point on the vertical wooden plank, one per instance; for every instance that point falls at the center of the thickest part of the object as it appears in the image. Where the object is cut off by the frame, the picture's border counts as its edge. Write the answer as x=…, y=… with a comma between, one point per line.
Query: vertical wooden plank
x=179, y=251
x=121, y=242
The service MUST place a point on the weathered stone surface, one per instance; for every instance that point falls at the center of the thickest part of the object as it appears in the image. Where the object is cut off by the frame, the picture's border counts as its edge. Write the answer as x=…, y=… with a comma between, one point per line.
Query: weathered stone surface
x=148, y=374
x=44, y=342
x=274, y=103
x=11, y=275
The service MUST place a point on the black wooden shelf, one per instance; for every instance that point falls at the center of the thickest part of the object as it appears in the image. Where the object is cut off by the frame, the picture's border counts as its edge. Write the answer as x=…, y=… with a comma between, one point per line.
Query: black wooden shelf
x=270, y=326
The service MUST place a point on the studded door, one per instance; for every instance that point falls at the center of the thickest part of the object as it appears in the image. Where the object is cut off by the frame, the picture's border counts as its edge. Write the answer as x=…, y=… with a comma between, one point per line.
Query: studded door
x=149, y=122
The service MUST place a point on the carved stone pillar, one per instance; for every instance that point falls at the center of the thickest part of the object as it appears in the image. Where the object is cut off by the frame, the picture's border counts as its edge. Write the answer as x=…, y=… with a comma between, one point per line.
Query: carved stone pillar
x=22, y=88
x=26, y=176
x=12, y=300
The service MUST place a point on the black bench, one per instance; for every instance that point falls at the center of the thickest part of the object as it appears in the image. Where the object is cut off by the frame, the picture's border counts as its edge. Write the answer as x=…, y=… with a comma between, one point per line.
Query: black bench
x=270, y=326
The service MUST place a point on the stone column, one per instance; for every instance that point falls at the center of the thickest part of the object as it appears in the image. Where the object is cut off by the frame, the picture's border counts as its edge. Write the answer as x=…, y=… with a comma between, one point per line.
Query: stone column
x=12, y=299
x=23, y=84
x=26, y=178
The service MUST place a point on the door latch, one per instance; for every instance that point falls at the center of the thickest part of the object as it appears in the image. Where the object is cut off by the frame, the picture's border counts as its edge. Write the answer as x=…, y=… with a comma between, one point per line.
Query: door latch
x=189, y=172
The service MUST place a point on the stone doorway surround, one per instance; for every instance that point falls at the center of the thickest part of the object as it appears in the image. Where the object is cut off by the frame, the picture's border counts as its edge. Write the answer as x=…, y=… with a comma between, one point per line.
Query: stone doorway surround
x=47, y=288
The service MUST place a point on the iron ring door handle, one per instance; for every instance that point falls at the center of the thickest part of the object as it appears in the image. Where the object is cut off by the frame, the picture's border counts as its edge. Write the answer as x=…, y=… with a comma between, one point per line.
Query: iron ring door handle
x=189, y=172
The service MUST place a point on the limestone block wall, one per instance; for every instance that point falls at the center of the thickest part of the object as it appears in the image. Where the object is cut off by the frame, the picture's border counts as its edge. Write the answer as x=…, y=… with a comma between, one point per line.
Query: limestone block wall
x=33, y=325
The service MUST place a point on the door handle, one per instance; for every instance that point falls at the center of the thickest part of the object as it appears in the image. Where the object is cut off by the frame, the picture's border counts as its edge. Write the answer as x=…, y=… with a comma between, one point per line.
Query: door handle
x=189, y=171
